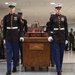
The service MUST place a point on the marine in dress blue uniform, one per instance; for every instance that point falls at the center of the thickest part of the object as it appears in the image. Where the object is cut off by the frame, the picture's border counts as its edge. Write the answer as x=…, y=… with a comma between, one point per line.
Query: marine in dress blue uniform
x=25, y=28
x=58, y=36
x=12, y=28
x=51, y=50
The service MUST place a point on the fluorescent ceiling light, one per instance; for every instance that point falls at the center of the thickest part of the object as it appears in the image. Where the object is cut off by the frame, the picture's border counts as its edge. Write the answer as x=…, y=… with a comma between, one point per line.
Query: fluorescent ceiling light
x=52, y=3
x=6, y=2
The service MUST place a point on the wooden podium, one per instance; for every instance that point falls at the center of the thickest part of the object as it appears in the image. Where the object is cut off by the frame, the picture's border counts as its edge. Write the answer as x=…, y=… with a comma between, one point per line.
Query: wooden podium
x=36, y=51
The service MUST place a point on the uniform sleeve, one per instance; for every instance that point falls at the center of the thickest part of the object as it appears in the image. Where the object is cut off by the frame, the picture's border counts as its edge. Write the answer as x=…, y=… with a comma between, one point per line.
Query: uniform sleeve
x=66, y=29
x=50, y=26
x=20, y=26
x=47, y=26
x=4, y=27
x=26, y=26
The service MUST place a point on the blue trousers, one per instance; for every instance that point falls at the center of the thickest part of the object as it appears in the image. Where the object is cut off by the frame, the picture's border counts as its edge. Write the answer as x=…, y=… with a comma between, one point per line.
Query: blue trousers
x=58, y=49
x=12, y=48
x=52, y=55
x=20, y=47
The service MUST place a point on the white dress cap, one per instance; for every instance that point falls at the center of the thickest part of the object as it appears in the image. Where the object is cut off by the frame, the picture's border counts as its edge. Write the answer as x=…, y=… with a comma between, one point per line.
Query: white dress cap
x=58, y=5
x=12, y=4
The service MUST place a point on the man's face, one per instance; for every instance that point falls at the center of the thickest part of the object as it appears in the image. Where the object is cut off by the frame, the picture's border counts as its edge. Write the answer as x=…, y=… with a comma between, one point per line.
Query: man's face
x=58, y=10
x=71, y=30
x=11, y=10
x=20, y=15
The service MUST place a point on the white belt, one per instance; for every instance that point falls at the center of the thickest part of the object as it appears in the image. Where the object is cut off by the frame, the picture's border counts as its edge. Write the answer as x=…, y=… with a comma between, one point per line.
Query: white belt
x=12, y=27
x=51, y=31
x=58, y=28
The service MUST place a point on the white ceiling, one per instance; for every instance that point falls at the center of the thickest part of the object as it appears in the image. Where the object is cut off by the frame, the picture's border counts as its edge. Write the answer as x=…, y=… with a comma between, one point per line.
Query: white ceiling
x=39, y=10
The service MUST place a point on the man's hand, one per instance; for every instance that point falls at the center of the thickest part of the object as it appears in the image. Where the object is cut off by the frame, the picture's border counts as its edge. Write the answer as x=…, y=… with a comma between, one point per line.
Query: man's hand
x=22, y=39
x=50, y=38
x=4, y=42
x=66, y=42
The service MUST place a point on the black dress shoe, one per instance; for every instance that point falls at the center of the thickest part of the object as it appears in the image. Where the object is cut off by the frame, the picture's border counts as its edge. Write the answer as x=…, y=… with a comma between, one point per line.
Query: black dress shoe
x=32, y=68
x=52, y=65
x=8, y=73
x=61, y=70
x=40, y=68
x=17, y=63
x=14, y=70
x=59, y=73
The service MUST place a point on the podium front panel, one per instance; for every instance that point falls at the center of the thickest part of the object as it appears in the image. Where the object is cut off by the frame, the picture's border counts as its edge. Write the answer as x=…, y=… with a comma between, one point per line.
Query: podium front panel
x=36, y=52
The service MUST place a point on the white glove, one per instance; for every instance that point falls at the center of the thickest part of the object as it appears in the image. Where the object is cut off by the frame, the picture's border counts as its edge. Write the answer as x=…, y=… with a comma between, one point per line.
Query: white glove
x=4, y=42
x=50, y=38
x=66, y=42
x=21, y=39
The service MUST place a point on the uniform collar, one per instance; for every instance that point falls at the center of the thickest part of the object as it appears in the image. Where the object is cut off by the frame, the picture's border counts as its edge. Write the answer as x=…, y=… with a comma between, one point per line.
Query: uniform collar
x=58, y=14
x=11, y=14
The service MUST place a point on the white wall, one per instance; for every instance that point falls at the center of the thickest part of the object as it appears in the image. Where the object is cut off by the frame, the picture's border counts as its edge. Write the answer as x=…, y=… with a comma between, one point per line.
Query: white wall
x=2, y=13
x=71, y=26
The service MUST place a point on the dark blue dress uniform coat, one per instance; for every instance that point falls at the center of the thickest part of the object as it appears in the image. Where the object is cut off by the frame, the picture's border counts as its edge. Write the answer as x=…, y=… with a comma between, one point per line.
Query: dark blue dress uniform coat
x=10, y=22
x=58, y=28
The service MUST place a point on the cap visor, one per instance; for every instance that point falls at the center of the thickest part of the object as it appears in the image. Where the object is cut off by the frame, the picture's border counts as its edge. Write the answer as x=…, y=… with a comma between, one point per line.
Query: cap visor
x=58, y=8
x=11, y=6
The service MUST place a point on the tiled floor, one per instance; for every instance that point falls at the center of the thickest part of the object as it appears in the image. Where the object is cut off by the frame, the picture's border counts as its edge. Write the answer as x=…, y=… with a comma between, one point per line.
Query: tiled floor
x=69, y=57
x=68, y=67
